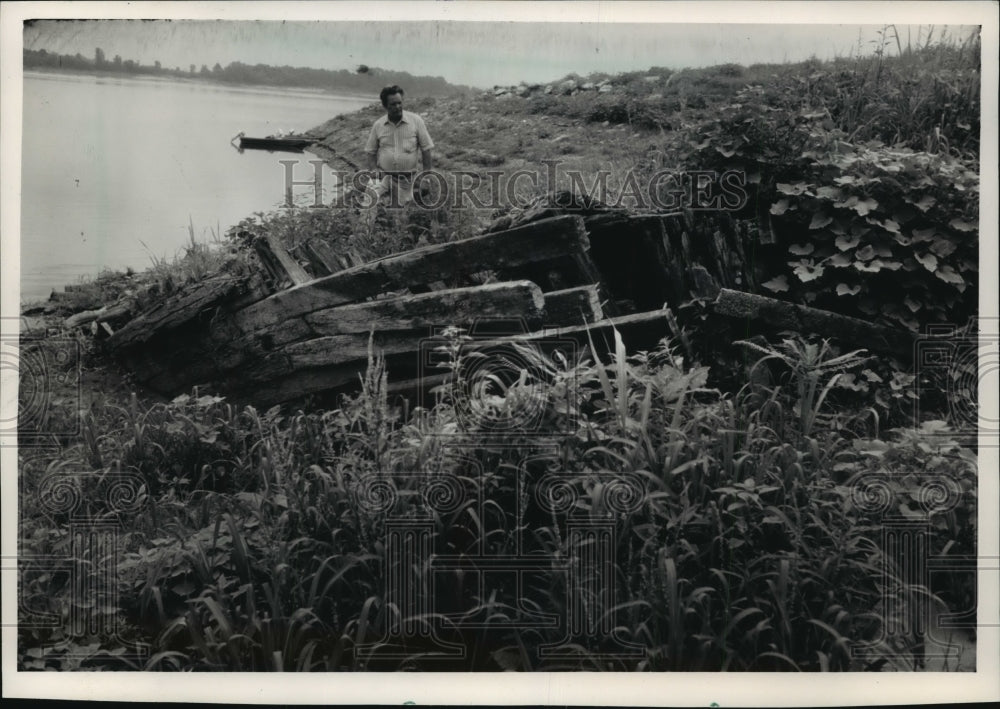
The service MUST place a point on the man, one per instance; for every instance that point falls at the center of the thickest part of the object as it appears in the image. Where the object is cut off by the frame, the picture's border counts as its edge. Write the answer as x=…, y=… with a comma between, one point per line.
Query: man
x=393, y=146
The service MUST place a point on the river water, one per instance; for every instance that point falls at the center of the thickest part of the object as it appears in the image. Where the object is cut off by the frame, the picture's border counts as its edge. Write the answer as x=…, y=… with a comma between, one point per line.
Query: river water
x=115, y=169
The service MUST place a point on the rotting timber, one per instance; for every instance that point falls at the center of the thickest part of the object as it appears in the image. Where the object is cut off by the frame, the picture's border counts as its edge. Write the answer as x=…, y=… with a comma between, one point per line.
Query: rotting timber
x=303, y=326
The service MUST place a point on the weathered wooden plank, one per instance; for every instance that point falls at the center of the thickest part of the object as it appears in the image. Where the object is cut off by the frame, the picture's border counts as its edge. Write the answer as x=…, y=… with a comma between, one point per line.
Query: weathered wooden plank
x=218, y=349
x=248, y=345
x=718, y=243
x=761, y=313
x=119, y=313
x=341, y=339
x=572, y=306
x=336, y=349
x=198, y=352
x=188, y=330
x=564, y=271
x=557, y=273
x=218, y=353
x=457, y=306
x=325, y=253
x=538, y=241
x=310, y=367
x=83, y=317
x=348, y=352
x=281, y=263
x=324, y=379
x=270, y=264
x=585, y=272
x=248, y=292
x=174, y=311
x=400, y=324
x=317, y=262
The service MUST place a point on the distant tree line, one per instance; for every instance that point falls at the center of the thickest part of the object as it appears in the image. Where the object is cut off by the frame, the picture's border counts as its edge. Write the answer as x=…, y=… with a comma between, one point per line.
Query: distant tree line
x=364, y=79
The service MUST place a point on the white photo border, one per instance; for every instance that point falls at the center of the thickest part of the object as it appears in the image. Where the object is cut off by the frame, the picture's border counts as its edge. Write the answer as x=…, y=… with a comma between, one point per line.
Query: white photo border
x=646, y=689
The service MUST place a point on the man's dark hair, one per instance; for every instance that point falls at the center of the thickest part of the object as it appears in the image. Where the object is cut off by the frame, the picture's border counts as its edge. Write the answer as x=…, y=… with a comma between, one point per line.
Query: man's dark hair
x=388, y=91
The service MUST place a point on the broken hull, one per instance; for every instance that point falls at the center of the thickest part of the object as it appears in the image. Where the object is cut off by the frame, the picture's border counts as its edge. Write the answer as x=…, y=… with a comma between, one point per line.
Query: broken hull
x=313, y=335
x=561, y=279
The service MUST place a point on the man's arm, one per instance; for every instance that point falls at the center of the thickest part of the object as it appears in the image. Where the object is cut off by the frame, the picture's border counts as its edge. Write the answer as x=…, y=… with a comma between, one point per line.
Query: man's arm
x=371, y=150
x=425, y=143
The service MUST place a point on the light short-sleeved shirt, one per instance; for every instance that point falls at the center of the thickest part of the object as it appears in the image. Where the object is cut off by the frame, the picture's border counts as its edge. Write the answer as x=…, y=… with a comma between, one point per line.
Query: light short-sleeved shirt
x=398, y=146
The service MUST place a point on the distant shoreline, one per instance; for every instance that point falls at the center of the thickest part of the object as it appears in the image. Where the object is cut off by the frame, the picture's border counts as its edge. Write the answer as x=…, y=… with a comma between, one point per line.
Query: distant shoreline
x=196, y=80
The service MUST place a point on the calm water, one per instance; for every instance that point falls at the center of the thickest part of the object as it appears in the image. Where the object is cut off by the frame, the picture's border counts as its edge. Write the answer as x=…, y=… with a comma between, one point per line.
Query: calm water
x=114, y=169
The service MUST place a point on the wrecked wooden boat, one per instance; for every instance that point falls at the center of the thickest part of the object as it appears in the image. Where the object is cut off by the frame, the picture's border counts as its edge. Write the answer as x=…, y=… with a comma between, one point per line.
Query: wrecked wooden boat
x=273, y=143
x=303, y=325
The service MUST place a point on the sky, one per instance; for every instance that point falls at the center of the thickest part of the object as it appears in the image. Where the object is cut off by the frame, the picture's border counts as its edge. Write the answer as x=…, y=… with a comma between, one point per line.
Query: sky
x=501, y=51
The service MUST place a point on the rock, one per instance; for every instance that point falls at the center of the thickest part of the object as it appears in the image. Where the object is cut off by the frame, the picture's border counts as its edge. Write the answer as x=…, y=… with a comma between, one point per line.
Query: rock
x=651, y=79
x=605, y=89
x=654, y=97
x=567, y=87
x=499, y=90
x=549, y=89
x=589, y=86
x=522, y=90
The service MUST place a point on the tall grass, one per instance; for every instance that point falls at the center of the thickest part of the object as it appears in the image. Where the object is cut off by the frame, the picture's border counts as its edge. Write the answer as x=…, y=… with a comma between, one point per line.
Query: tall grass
x=262, y=538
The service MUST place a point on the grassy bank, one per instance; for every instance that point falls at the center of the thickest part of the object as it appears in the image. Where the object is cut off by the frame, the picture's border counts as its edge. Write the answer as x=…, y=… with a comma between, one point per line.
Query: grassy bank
x=685, y=526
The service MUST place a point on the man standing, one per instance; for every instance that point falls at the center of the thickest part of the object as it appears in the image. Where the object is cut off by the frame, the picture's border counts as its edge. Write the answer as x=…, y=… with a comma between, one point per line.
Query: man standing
x=393, y=146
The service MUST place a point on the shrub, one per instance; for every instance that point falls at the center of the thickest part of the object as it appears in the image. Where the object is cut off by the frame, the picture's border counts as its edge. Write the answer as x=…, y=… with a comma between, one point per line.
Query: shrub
x=258, y=540
x=851, y=219
x=871, y=220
